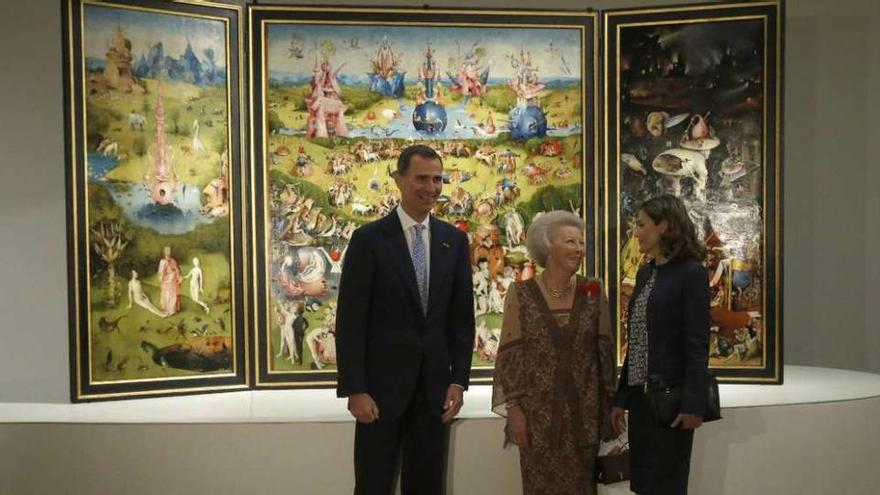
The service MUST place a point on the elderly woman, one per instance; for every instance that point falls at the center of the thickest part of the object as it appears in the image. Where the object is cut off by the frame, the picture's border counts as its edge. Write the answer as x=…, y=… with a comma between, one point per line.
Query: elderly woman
x=554, y=375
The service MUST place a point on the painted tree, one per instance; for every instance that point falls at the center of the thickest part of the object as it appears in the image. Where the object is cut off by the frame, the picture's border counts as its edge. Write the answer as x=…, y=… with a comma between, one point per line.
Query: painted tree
x=109, y=243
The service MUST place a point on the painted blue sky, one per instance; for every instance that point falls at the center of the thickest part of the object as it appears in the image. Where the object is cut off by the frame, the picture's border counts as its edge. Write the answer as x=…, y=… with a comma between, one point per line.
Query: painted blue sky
x=145, y=29
x=410, y=44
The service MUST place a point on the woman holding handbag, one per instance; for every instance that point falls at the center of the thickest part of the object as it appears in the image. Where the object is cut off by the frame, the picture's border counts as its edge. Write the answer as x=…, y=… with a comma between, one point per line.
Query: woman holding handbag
x=554, y=375
x=664, y=379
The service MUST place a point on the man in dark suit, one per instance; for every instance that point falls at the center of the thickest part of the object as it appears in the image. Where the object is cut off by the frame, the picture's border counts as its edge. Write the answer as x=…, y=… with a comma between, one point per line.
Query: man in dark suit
x=404, y=334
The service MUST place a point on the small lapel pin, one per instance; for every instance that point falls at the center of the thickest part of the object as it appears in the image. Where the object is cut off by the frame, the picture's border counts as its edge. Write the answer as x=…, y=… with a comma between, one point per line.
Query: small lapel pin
x=444, y=244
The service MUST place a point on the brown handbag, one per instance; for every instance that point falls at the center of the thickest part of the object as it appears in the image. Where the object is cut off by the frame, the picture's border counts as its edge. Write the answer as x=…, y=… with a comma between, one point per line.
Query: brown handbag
x=613, y=467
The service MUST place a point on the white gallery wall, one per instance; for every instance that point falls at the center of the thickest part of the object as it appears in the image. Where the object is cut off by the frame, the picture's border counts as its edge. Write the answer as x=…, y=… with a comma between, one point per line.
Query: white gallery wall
x=831, y=188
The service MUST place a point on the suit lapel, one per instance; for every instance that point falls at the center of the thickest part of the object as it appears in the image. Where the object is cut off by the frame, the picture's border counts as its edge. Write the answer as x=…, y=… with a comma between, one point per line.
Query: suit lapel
x=400, y=254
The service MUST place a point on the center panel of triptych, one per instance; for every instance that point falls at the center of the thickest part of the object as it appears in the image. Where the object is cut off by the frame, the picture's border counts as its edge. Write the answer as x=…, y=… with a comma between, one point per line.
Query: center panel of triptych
x=504, y=107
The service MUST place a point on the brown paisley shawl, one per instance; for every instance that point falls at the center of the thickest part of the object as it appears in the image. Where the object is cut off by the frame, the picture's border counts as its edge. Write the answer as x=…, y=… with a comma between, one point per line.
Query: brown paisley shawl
x=558, y=367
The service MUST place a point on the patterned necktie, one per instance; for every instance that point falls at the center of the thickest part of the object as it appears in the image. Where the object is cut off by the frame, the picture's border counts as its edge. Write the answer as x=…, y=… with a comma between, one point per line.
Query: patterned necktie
x=420, y=265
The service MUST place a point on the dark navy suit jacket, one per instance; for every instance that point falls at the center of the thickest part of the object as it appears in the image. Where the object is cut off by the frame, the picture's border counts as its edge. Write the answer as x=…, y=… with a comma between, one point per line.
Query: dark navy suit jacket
x=385, y=345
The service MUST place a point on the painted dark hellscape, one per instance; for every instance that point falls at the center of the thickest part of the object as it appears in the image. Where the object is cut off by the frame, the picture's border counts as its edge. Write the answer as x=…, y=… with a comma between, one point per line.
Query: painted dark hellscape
x=692, y=95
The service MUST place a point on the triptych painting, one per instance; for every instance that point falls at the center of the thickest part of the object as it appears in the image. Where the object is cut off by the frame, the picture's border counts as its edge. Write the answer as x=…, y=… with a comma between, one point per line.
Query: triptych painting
x=220, y=157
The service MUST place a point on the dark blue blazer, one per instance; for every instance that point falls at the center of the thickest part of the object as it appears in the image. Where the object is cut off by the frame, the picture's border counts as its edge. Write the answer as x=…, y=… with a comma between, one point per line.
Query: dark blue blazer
x=678, y=330
x=385, y=345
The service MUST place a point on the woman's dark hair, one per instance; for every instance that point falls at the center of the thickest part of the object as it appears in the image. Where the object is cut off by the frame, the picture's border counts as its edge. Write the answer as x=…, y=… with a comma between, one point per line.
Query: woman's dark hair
x=680, y=239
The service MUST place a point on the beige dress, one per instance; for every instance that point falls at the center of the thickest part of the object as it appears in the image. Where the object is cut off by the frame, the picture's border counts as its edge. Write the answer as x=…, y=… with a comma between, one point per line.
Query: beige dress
x=558, y=367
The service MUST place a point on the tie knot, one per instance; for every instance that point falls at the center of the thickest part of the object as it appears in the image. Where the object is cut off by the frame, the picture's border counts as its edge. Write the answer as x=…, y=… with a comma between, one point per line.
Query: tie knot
x=418, y=228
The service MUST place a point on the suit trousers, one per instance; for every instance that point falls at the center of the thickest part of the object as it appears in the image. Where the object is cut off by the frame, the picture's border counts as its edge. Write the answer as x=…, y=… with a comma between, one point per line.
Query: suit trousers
x=377, y=449
x=660, y=457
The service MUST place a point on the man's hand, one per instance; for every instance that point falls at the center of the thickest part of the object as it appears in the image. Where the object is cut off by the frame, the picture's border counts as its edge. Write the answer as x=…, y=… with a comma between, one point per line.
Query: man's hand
x=618, y=421
x=453, y=402
x=687, y=421
x=363, y=408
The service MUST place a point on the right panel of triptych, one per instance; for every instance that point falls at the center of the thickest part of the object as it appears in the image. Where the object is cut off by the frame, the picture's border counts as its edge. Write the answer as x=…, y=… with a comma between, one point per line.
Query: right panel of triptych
x=693, y=109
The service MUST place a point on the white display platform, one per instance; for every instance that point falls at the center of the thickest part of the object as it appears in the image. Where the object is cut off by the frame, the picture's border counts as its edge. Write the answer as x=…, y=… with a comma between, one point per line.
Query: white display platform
x=803, y=385
x=817, y=434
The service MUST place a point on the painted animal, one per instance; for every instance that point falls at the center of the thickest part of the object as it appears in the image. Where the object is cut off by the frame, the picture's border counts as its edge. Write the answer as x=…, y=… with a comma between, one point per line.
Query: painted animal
x=136, y=121
x=108, y=147
x=362, y=209
x=109, y=325
x=340, y=168
x=486, y=155
x=179, y=327
x=365, y=155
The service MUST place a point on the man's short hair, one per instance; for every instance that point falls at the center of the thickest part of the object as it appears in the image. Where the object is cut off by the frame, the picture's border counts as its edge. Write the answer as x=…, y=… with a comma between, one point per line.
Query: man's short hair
x=424, y=151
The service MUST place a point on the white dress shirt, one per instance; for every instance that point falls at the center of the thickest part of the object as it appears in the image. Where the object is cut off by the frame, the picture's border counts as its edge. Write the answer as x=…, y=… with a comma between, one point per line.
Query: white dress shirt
x=407, y=223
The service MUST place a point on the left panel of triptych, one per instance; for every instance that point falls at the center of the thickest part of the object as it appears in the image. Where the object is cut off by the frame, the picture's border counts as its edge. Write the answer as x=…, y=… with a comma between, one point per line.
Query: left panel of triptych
x=154, y=184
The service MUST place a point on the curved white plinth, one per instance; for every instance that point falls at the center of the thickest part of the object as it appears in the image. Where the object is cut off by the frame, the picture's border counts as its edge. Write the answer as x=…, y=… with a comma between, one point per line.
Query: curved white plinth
x=817, y=434
x=803, y=385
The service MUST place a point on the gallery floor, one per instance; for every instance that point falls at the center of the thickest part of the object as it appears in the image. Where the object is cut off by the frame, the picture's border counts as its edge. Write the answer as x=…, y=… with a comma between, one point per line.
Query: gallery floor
x=817, y=434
